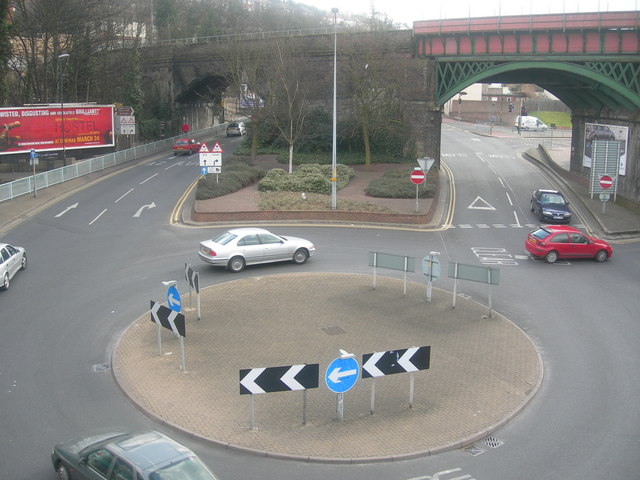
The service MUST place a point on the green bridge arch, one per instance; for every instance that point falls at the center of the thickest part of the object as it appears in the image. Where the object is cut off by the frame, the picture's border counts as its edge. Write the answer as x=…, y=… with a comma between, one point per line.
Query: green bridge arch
x=589, y=84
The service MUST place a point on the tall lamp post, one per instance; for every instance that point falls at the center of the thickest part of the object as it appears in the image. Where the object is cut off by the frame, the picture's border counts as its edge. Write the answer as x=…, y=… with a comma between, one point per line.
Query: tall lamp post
x=334, y=172
x=64, y=153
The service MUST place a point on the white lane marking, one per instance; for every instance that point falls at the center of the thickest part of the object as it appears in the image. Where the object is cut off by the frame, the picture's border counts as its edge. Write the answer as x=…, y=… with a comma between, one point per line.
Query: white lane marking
x=480, y=204
x=509, y=198
x=124, y=195
x=145, y=181
x=101, y=213
x=139, y=212
x=75, y=205
x=517, y=220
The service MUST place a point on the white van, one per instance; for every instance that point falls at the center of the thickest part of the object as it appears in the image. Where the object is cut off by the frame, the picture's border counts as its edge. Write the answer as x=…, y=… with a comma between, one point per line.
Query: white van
x=530, y=123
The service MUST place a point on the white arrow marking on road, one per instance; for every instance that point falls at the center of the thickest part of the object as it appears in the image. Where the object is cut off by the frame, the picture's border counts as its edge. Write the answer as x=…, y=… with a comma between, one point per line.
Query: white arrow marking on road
x=370, y=365
x=405, y=360
x=249, y=383
x=75, y=205
x=336, y=374
x=173, y=300
x=474, y=205
x=139, y=212
x=289, y=378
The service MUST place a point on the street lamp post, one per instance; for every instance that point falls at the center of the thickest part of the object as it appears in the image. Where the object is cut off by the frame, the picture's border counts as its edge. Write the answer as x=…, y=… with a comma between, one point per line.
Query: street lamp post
x=64, y=153
x=334, y=172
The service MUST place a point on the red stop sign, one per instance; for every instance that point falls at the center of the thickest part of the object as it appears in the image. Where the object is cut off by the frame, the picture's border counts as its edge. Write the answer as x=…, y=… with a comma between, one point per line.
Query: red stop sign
x=185, y=128
x=606, y=181
x=417, y=177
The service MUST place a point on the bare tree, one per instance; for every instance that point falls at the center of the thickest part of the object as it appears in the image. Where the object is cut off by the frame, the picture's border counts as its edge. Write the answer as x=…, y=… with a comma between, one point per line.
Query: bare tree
x=287, y=95
x=246, y=68
x=372, y=77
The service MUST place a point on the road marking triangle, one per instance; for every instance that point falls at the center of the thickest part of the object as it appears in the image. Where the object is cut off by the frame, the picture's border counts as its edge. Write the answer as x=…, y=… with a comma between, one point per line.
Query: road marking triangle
x=480, y=204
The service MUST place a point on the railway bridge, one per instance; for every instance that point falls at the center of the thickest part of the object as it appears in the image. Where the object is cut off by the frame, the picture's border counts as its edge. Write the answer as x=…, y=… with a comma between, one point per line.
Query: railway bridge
x=590, y=61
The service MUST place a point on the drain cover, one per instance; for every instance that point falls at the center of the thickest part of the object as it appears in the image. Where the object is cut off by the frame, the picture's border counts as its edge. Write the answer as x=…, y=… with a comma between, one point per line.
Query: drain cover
x=493, y=442
x=100, y=367
x=333, y=330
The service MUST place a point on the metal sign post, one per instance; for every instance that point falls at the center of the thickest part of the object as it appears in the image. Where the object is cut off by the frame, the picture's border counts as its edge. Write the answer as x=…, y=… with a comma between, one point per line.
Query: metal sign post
x=431, y=268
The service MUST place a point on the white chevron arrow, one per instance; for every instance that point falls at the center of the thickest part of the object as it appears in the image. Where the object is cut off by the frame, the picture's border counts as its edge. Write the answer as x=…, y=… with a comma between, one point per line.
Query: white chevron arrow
x=75, y=205
x=139, y=212
x=249, y=381
x=405, y=360
x=370, y=365
x=289, y=378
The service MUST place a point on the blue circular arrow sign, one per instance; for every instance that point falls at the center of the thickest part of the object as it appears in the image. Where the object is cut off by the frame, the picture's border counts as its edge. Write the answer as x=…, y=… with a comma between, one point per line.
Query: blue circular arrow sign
x=173, y=299
x=342, y=374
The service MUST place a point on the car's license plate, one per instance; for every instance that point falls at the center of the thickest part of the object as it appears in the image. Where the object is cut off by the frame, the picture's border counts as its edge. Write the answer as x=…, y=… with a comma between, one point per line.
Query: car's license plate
x=558, y=217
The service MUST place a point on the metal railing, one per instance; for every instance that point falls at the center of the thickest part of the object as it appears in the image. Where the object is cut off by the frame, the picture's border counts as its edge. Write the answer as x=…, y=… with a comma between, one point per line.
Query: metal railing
x=25, y=186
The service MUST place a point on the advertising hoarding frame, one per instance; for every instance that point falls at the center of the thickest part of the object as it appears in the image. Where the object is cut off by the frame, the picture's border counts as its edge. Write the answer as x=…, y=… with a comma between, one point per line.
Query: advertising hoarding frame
x=39, y=127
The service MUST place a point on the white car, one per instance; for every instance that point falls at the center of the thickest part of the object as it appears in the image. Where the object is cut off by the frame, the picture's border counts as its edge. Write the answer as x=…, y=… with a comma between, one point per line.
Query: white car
x=12, y=259
x=239, y=247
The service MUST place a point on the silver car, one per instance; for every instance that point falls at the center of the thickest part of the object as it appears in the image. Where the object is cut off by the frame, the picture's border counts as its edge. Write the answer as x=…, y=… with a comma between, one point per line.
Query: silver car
x=122, y=456
x=12, y=259
x=239, y=247
x=235, y=129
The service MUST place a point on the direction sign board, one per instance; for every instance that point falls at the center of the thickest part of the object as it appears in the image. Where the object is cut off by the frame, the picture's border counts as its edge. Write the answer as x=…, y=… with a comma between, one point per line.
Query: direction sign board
x=342, y=374
x=168, y=318
x=210, y=159
x=431, y=267
x=606, y=181
x=279, y=379
x=173, y=299
x=395, y=361
x=417, y=176
x=192, y=277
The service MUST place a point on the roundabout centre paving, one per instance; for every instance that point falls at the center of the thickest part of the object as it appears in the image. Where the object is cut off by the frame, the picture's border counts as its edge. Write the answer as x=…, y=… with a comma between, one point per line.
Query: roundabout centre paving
x=483, y=370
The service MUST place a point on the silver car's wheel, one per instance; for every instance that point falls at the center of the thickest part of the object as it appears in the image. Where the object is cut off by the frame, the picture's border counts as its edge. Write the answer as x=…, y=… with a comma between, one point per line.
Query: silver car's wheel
x=601, y=256
x=23, y=263
x=236, y=264
x=300, y=256
x=62, y=472
x=5, y=282
x=551, y=257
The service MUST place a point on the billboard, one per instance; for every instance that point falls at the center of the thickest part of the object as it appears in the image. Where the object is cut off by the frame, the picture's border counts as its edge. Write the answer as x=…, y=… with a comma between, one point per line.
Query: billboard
x=39, y=128
x=596, y=132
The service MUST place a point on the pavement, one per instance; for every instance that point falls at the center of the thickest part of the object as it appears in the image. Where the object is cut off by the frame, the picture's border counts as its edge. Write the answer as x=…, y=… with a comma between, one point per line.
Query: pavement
x=483, y=370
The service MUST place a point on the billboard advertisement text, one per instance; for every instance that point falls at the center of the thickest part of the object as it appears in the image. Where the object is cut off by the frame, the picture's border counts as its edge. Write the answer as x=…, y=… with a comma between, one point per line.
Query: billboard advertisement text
x=40, y=128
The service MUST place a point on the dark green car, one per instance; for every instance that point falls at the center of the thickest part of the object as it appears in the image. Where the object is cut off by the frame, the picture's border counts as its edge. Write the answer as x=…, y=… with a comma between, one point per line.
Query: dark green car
x=123, y=456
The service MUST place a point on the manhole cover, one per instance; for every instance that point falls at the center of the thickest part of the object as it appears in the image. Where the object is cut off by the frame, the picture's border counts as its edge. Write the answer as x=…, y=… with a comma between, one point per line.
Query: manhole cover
x=333, y=330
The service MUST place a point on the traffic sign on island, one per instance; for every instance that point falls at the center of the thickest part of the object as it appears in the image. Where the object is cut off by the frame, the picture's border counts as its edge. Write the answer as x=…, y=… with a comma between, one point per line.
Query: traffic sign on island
x=606, y=181
x=418, y=176
x=342, y=374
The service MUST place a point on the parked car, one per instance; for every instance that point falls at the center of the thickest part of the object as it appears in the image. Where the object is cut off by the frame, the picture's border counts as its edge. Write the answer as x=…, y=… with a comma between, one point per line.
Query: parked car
x=530, y=123
x=236, y=129
x=186, y=145
x=552, y=242
x=123, y=456
x=239, y=247
x=550, y=206
x=12, y=259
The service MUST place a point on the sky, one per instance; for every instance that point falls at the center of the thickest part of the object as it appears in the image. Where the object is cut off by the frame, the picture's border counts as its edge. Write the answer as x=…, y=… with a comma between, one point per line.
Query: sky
x=408, y=11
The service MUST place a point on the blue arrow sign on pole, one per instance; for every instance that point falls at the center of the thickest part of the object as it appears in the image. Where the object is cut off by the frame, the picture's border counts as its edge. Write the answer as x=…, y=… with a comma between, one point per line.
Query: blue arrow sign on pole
x=173, y=299
x=342, y=374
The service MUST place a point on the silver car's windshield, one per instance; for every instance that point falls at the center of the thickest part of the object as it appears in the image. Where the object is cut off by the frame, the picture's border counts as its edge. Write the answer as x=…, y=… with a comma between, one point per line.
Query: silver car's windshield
x=190, y=468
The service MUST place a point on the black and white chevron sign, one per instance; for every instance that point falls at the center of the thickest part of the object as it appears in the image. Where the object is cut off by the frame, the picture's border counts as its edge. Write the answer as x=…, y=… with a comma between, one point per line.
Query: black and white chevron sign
x=380, y=364
x=192, y=277
x=168, y=318
x=278, y=379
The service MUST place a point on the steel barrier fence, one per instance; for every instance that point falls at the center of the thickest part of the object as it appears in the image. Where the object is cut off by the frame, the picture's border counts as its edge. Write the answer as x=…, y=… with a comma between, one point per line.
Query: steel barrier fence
x=24, y=186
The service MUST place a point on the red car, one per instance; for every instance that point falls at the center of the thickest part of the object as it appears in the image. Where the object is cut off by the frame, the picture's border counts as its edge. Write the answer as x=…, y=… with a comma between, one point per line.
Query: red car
x=552, y=242
x=186, y=145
